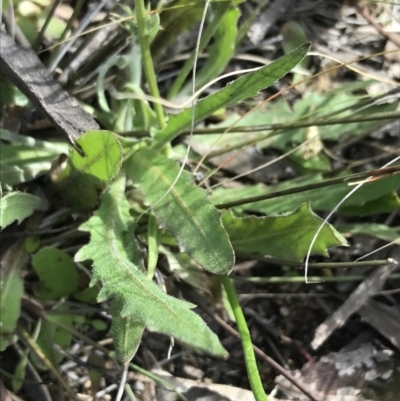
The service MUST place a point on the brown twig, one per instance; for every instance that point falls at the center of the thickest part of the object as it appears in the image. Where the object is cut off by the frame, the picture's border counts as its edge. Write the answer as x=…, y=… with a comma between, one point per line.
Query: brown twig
x=377, y=173
x=24, y=69
x=372, y=21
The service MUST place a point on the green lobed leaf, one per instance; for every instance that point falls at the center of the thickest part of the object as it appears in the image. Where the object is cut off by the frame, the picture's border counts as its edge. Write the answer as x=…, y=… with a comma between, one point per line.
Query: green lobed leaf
x=242, y=88
x=287, y=236
x=57, y=272
x=185, y=211
x=142, y=298
x=80, y=184
x=17, y=206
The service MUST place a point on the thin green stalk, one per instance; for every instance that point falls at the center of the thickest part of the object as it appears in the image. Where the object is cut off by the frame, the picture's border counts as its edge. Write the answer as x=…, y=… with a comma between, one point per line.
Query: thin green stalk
x=249, y=21
x=153, y=245
x=277, y=129
x=67, y=29
x=315, y=279
x=129, y=392
x=147, y=60
x=298, y=124
x=46, y=24
x=31, y=344
x=318, y=265
x=284, y=129
x=334, y=181
x=76, y=333
x=247, y=345
x=205, y=39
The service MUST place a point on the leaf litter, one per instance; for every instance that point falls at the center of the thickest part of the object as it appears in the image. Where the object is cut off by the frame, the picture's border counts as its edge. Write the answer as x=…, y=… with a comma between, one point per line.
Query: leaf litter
x=367, y=341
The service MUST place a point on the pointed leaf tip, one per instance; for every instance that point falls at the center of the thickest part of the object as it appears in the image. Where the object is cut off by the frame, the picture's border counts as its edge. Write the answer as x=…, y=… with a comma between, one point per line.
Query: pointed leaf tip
x=286, y=236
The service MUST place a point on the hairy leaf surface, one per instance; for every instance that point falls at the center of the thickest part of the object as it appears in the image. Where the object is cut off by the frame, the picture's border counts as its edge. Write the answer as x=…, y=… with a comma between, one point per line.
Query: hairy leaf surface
x=142, y=299
x=185, y=211
x=287, y=236
x=127, y=333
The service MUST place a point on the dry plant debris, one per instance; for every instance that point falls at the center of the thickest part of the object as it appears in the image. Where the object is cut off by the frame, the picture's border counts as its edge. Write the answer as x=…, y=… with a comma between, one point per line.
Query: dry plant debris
x=338, y=339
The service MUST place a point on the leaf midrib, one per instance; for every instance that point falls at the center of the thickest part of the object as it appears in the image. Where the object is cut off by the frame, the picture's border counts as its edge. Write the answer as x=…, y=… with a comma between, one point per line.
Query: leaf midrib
x=113, y=243
x=179, y=200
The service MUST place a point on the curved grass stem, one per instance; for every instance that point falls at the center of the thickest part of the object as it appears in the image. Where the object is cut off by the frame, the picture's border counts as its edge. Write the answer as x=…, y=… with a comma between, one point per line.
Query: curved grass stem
x=247, y=345
x=148, y=66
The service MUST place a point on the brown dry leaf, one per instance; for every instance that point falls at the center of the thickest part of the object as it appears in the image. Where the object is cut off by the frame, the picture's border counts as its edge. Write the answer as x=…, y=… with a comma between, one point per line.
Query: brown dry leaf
x=340, y=376
x=195, y=390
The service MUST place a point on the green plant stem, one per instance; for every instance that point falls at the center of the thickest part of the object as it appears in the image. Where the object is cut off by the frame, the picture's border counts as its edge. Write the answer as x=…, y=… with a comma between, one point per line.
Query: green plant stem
x=205, y=39
x=46, y=24
x=279, y=128
x=247, y=345
x=334, y=181
x=153, y=246
x=76, y=334
x=248, y=22
x=300, y=124
x=77, y=9
x=31, y=344
x=148, y=61
x=311, y=279
x=319, y=265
